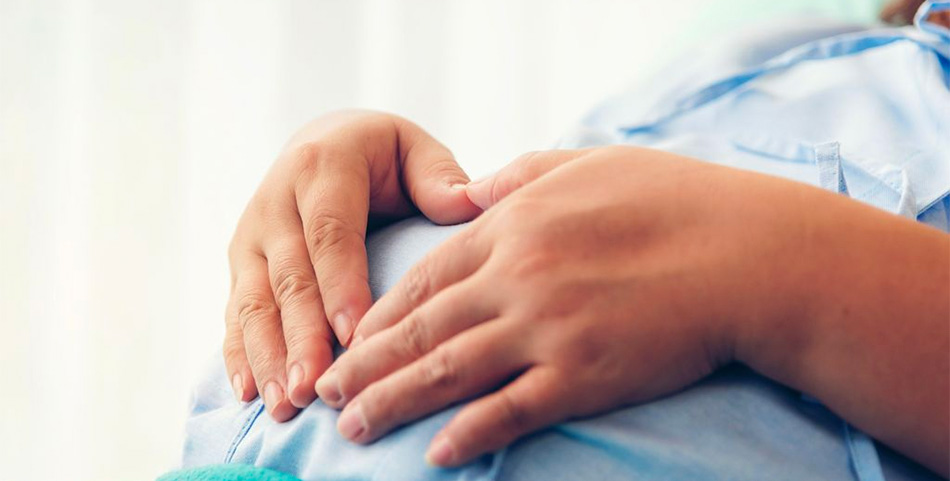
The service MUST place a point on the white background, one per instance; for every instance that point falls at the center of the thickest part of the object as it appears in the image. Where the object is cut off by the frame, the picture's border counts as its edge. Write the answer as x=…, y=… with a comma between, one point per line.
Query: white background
x=132, y=133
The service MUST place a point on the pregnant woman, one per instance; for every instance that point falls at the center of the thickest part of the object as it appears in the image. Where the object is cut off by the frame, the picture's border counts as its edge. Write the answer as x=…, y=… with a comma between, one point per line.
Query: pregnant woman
x=739, y=272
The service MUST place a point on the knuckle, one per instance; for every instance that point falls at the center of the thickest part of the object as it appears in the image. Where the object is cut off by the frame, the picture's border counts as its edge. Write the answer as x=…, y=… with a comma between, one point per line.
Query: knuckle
x=415, y=337
x=619, y=150
x=586, y=351
x=328, y=232
x=610, y=153
x=418, y=284
x=516, y=211
x=470, y=239
x=265, y=361
x=467, y=238
x=293, y=282
x=521, y=170
x=531, y=265
x=522, y=161
x=306, y=161
x=511, y=412
x=357, y=121
x=439, y=370
x=303, y=157
x=300, y=337
x=254, y=309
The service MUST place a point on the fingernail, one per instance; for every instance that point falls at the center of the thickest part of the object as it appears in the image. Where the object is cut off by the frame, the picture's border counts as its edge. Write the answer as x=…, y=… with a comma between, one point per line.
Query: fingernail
x=457, y=186
x=440, y=452
x=237, y=383
x=342, y=326
x=328, y=389
x=294, y=377
x=272, y=395
x=351, y=423
x=479, y=193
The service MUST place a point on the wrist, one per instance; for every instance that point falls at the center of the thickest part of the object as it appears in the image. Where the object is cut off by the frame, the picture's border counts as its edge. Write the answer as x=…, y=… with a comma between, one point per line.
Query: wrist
x=844, y=266
x=791, y=279
x=869, y=335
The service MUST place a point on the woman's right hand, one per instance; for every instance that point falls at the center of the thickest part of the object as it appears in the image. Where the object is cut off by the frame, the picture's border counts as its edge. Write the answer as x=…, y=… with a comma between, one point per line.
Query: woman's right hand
x=298, y=260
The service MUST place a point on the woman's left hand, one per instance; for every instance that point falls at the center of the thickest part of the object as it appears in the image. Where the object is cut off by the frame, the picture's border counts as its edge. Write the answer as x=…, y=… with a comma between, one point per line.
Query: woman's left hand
x=620, y=274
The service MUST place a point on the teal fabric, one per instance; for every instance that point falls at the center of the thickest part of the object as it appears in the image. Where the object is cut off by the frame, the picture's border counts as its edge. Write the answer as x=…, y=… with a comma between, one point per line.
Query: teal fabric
x=227, y=472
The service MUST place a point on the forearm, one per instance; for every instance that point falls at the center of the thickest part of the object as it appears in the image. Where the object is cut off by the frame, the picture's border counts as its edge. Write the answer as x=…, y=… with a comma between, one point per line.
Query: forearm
x=872, y=340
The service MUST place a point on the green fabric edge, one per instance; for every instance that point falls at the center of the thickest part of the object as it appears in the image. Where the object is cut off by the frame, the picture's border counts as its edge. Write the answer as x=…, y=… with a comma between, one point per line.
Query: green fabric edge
x=227, y=472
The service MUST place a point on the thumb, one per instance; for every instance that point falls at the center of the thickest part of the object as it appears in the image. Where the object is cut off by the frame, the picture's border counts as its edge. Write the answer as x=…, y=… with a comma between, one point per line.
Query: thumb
x=526, y=168
x=432, y=178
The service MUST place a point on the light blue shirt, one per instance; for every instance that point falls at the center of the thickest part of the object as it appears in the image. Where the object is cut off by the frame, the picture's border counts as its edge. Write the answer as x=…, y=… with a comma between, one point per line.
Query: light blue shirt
x=862, y=112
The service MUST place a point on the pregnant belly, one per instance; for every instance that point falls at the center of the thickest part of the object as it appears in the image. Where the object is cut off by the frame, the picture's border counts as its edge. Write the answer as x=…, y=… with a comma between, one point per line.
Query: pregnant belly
x=733, y=425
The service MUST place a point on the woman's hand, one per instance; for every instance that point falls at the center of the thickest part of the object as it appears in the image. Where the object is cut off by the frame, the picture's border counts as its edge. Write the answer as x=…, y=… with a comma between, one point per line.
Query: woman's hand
x=617, y=277
x=298, y=261
x=623, y=274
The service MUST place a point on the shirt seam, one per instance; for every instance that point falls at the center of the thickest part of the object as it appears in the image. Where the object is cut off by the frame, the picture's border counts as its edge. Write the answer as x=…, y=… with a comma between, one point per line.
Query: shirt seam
x=242, y=433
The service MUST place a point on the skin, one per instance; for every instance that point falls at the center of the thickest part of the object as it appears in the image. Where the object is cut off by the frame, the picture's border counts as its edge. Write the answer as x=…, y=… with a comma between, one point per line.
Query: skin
x=901, y=12
x=298, y=261
x=658, y=271
x=299, y=283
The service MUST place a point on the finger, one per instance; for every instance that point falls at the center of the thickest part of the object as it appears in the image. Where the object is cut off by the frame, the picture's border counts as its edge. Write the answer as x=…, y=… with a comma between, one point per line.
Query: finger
x=468, y=364
x=235, y=360
x=455, y=259
x=453, y=310
x=308, y=337
x=259, y=319
x=433, y=179
x=534, y=400
x=490, y=190
x=333, y=201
